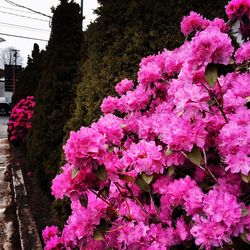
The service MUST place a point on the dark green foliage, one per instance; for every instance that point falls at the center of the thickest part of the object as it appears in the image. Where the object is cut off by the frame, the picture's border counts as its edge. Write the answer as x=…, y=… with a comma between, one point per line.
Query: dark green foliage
x=126, y=31
x=55, y=92
x=31, y=75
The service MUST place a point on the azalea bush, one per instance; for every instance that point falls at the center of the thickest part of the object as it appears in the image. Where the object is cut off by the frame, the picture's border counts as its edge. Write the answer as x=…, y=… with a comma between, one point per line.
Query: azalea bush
x=20, y=119
x=167, y=165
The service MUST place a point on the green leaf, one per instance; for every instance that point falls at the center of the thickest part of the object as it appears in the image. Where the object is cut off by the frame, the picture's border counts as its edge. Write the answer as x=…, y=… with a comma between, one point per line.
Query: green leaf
x=170, y=171
x=101, y=173
x=84, y=200
x=74, y=173
x=98, y=235
x=111, y=149
x=211, y=102
x=244, y=212
x=142, y=184
x=147, y=178
x=100, y=230
x=104, y=192
x=195, y=156
x=126, y=178
x=231, y=62
x=245, y=178
x=211, y=74
x=168, y=152
x=243, y=236
x=103, y=226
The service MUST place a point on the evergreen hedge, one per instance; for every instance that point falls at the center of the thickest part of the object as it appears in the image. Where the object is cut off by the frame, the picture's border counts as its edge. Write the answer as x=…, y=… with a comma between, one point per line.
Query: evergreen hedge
x=55, y=92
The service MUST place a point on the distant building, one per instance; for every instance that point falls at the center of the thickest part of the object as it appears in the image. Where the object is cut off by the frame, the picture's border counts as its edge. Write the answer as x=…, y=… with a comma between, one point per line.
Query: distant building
x=7, y=83
x=2, y=87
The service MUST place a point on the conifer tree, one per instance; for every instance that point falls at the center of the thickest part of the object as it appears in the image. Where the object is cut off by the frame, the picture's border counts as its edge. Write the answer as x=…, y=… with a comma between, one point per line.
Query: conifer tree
x=31, y=75
x=55, y=91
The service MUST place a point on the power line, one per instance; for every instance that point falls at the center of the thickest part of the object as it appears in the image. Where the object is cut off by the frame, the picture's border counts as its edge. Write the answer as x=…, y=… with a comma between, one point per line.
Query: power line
x=5, y=12
x=21, y=26
x=23, y=11
x=27, y=8
x=25, y=37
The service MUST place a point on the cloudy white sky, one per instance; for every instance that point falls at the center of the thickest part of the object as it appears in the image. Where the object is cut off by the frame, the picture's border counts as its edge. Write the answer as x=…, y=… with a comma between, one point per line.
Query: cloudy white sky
x=21, y=22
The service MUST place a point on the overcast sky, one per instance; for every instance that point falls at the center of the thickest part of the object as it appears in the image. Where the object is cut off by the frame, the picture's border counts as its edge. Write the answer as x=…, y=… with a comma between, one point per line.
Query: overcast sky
x=12, y=23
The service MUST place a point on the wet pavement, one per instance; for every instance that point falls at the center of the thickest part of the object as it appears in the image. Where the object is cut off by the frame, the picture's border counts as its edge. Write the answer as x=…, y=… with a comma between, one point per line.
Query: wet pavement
x=3, y=126
x=17, y=226
x=8, y=219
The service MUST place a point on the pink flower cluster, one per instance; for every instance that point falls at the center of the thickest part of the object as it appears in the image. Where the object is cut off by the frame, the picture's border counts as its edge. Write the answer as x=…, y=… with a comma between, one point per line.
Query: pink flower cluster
x=172, y=166
x=243, y=53
x=20, y=119
x=238, y=8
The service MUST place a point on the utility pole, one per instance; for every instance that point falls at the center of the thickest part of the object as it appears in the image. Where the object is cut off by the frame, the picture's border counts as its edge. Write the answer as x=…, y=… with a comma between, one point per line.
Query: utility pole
x=82, y=7
x=82, y=12
x=15, y=52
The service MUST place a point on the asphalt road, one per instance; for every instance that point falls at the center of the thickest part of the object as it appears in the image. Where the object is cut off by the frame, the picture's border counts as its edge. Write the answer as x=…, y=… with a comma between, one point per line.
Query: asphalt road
x=3, y=126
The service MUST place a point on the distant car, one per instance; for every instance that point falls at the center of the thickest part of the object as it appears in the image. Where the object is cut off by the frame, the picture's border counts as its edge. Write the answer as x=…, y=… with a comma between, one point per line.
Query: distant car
x=4, y=106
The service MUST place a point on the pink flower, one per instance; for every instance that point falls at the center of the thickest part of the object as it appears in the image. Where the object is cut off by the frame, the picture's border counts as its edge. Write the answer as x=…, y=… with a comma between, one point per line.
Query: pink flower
x=218, y=23
x=193, y=200
x=109, y=104
x=136, y=239
x=151, y=69
x=176, y=190
x=144, y=157
x=243, y=53
x=61, y=183
x=237, y=8
x=123, y=86
x=234, y=141
x=50, y=232
x=193, y=22
x=20, y=119
x=53, y=243
x=84, y=145
x=211, y=45
x=110, y=127
x=182, y=231
x=208, y=234
x=221, y=206
x=134, y=100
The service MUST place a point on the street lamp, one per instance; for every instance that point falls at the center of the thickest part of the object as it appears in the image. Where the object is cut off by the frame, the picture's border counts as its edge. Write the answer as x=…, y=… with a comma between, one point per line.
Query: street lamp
x=2, y=39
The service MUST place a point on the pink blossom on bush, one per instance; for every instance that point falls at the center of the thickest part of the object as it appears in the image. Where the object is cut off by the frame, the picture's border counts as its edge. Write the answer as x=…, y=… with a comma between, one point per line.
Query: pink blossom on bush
x=123, y=86
x=222, y=207
x=50, y=232
x=219, y=23
x=211, y=46
x=109, y=104
x=20, y=119
x=243, y=53
x=144, y=157
x=61, y=183
x=193, y=22
x=171, y=167
x=234, y=142
x=110, y=127
x=54, y=243
x=134, y=100
x=208, y=234
x=151, y=69
x=237, y=8
x=83, y=146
